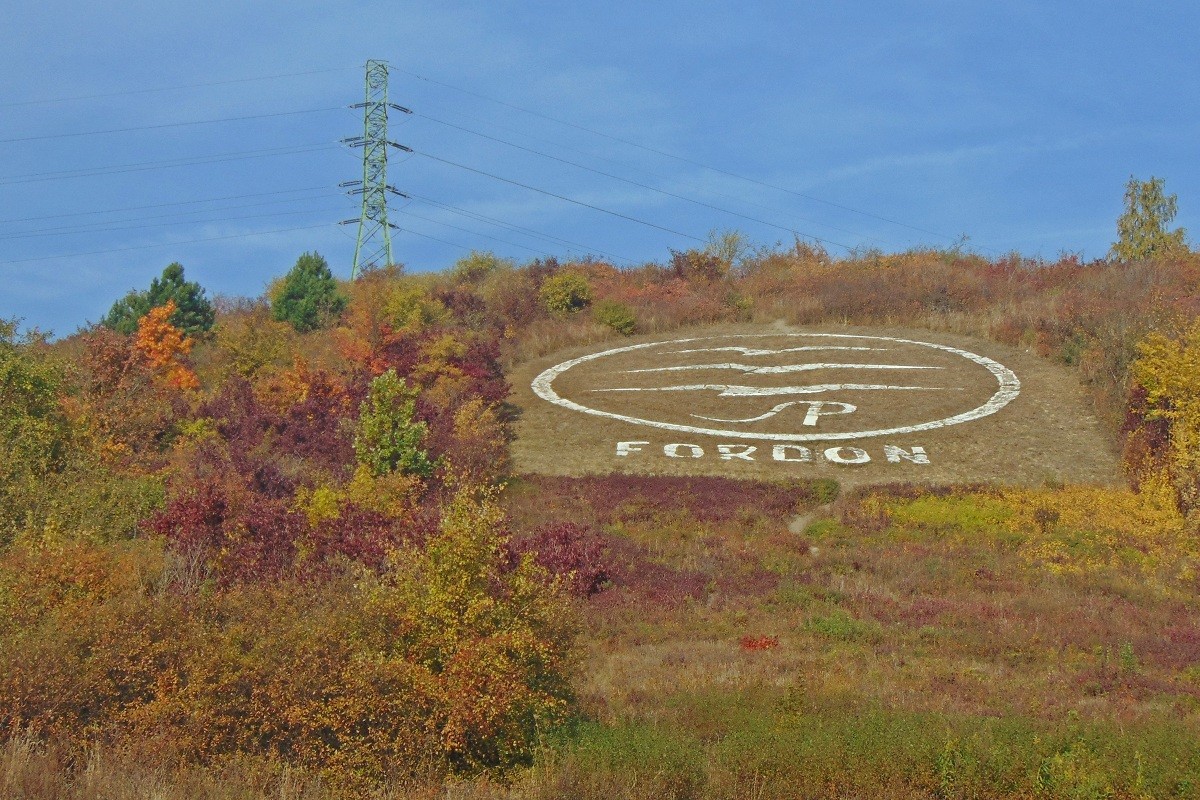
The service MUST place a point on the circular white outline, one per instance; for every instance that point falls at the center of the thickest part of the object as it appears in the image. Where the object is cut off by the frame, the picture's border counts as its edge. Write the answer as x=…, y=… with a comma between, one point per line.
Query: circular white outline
x=1010, y=387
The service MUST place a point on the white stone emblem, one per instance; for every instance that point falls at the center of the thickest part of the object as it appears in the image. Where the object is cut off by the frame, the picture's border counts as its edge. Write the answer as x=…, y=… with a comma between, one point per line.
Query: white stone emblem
x=783, y=387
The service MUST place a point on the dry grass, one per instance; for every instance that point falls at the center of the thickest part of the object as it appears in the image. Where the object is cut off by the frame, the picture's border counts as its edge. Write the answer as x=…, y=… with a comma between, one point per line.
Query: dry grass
x=31, y=770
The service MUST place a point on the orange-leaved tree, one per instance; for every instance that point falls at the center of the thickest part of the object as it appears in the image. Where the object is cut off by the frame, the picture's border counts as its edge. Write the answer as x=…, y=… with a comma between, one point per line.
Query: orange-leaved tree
x=164, y=347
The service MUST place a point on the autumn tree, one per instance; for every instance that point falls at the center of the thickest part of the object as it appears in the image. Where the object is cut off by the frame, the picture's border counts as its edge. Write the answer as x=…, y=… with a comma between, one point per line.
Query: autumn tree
x=164, y=346
x=193, y=314
x=1169, y=370
x=388, y=438
x=33, y=429
x=1142, y=230
x=308, y=298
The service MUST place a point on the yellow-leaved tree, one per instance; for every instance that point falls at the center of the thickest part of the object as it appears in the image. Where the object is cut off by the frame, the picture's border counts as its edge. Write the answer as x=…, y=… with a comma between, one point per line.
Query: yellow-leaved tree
x=1169, y=370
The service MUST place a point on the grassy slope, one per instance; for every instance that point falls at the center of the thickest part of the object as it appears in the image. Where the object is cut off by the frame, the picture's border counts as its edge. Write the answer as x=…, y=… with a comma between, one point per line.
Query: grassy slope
x=994, y=643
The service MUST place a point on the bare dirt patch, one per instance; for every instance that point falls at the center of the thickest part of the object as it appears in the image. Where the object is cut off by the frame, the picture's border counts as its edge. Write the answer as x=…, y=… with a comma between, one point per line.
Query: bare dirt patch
x=861, y=405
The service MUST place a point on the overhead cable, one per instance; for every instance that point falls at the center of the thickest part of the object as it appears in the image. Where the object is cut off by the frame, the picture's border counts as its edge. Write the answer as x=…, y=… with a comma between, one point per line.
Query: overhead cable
x=114, y=229
x=181, y=87
x=167, y=244
x=514, y=227
x=670, y=155
x=560, y=197
x=146, y=166
x=160, y=126
x=162, y=205
x=576, y=164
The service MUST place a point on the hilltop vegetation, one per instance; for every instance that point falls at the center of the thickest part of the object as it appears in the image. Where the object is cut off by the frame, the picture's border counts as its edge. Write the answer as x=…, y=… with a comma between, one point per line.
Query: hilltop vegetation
x=279, y=550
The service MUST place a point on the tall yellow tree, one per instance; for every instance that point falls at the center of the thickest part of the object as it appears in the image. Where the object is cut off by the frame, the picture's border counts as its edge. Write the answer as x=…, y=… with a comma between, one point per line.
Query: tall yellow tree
x=1169, y=369
x=1142, y=230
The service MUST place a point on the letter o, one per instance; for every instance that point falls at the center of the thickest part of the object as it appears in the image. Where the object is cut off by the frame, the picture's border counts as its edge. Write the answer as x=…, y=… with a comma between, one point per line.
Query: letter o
x=857, y=455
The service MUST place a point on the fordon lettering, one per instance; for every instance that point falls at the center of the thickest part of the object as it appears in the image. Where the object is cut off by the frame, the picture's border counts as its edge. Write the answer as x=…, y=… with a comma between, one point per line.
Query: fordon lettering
x=789, y=453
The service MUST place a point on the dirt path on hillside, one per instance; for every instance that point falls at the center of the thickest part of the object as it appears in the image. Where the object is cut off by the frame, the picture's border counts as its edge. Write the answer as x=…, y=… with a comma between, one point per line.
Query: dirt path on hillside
x=858, y=404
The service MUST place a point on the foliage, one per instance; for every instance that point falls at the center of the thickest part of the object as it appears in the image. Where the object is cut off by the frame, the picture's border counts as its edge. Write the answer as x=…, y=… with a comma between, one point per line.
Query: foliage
x=232, y=576
x=1142, y=228
x=451, y=659
x=248, y=343
x=412, y=307
x=728, y=247
x=703, y=266
x=1169, y=371
x=617, y=316
x=476, y=266
x=164, y=347
x=498, y=638
x=477, y=450
x=569, y=551
x=194, y=314
x=565, y=292
x=308, y=298
x=34, y=430
x=388, y=439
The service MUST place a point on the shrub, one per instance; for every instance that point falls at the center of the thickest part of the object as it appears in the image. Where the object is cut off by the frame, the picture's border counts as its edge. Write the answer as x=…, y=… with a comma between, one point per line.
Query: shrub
x=569, y=551
x=476, y=266
x=565, y=293
x=617, y=316
x=450, y=660
x=388, y=439
x=34, y=431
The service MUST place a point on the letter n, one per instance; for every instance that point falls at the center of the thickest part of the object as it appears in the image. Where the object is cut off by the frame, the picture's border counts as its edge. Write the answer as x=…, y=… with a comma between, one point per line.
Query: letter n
x=896, y=454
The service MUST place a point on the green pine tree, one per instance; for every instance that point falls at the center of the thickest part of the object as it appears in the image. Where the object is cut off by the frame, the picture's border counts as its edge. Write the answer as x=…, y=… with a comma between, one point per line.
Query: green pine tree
x=308, y=298
x=193, y=312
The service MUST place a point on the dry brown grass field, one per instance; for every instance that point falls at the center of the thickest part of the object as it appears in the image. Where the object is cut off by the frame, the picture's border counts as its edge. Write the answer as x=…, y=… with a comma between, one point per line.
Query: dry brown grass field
x=1049, y=432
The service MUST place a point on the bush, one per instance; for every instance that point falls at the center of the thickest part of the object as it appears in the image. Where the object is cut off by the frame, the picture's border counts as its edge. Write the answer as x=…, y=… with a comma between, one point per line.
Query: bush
x=388, y=439
x=34, y=431
x=617, y=316
x=569, y=551
x=451, y=660
x=565, y=293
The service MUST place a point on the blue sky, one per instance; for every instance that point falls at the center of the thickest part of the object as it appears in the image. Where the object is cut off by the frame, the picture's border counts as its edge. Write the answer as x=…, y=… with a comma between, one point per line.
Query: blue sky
x=890, y=125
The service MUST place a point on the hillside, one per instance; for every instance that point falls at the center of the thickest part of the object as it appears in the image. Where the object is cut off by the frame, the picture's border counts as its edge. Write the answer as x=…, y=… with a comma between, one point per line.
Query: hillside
x=773, y=525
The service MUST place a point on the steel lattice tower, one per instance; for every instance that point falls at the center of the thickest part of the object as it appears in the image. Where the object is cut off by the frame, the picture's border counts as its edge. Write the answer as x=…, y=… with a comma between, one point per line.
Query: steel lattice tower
x=374, y=245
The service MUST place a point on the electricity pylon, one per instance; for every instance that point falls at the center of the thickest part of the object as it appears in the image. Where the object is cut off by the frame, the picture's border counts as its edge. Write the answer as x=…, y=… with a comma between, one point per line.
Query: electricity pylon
x=374, y=230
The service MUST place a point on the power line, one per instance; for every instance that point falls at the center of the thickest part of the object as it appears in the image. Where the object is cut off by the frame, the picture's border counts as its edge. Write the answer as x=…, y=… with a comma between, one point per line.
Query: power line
x=145, y=166
x=477, y=233
x=560, y=197
x=43, y=137
x=114, y=229
x=171, y=88
x=162, y=205
x=436, y=239
x=514, y=227
x=167, y=244
x=660, y=176
x=674, y=156
x=631, y=182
